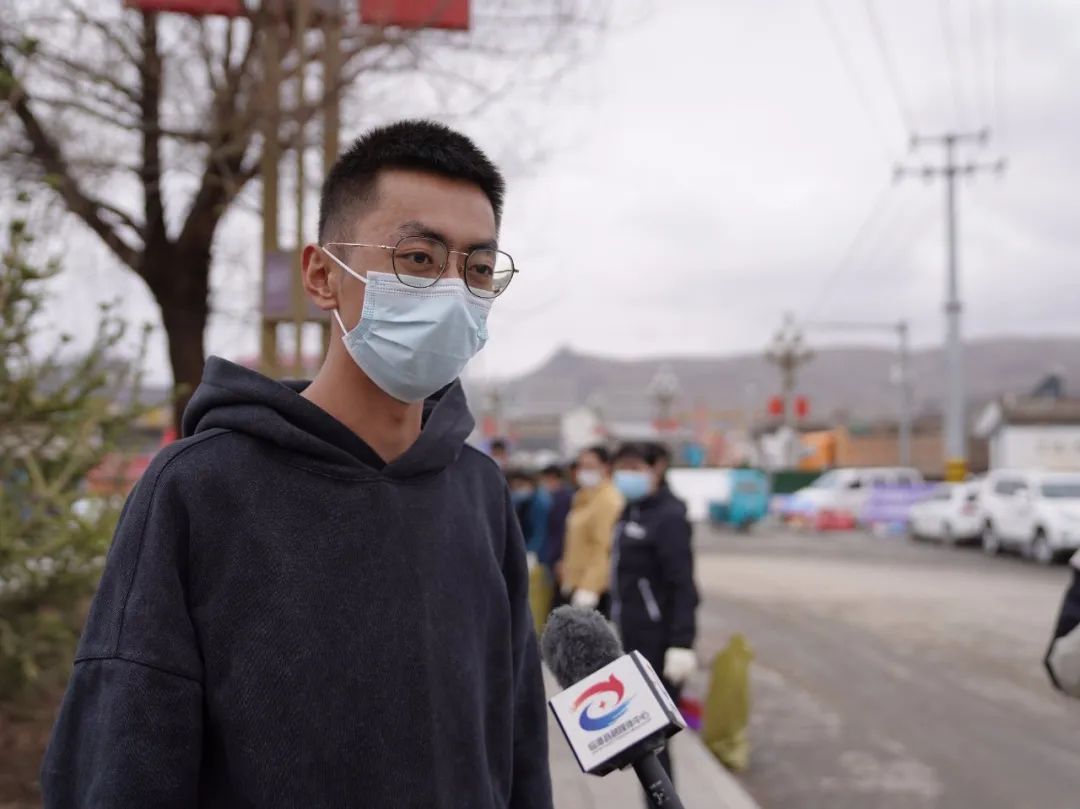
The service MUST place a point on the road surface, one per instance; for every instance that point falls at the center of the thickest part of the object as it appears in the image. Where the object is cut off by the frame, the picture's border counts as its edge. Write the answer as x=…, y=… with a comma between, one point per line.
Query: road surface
x=893, y=675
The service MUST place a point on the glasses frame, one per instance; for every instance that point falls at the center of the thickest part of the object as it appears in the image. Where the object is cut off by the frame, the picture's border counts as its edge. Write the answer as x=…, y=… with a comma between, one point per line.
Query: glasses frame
x=442, y=271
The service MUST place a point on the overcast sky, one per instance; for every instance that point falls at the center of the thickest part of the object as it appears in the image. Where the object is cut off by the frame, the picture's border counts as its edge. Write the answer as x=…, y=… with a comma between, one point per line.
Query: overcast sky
x=710, y=166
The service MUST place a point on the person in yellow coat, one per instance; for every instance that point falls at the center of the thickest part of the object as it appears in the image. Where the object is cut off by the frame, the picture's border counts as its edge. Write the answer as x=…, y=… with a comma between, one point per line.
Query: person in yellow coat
x=590, y=529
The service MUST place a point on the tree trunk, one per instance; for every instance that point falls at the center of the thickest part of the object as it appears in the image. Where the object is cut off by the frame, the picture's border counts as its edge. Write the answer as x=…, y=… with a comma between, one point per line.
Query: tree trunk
x=180, y=284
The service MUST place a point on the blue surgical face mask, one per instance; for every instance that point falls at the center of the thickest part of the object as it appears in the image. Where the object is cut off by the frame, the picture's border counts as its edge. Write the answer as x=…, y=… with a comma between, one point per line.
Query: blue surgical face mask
x=633, y=484
x=413, y=342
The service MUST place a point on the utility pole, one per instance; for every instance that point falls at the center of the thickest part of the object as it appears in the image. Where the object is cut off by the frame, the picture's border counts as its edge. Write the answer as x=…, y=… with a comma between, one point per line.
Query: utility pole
x=788, y=353
x=904, y=381
x=955, y=398
x=664, y=388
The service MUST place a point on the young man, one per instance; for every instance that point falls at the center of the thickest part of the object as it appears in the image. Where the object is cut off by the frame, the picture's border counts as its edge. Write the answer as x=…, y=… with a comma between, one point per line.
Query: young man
x=318, y=598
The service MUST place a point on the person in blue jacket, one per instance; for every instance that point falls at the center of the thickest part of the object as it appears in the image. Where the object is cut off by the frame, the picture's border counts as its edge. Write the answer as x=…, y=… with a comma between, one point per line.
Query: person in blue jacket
x=654, y=596
x=532, y=504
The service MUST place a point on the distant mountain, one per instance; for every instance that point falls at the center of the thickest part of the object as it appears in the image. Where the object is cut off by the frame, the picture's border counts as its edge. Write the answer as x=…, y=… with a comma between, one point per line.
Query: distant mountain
x=855, y=381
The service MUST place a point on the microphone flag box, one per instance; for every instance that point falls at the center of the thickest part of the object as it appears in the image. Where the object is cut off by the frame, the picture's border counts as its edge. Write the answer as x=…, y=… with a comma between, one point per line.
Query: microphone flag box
x=607, y=716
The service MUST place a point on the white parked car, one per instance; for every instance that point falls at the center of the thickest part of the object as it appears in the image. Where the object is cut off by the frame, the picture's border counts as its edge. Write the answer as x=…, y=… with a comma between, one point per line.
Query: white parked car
x=847, y=490
x=1036, y=513
x=950, y=515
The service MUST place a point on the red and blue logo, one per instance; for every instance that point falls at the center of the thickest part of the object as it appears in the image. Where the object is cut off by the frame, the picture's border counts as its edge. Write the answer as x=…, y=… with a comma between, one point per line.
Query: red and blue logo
x=602, y=704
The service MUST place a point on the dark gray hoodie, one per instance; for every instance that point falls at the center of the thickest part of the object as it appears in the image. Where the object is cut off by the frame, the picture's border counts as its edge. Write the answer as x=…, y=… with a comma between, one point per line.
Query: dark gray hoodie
x=285, y=621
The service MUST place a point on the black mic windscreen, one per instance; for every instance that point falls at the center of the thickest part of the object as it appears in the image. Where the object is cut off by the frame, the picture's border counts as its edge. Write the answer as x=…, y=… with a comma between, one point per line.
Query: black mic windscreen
x=576, y=642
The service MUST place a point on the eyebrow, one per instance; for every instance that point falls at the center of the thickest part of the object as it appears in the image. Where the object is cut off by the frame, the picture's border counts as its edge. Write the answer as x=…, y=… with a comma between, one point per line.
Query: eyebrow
x=415, y=228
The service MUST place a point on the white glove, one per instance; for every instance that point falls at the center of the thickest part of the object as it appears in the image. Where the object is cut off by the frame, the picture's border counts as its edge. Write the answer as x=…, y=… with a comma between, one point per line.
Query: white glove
x=1065, y=661
x=679, y=664
x=530, y=557
x=585, y=598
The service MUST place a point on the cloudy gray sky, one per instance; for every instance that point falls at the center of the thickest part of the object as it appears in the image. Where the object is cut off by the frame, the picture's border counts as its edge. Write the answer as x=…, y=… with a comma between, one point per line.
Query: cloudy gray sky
x=708, y=167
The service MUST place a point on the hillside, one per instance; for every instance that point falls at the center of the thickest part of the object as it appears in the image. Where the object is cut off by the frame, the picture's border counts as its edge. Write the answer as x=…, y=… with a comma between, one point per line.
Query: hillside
x=856, y=380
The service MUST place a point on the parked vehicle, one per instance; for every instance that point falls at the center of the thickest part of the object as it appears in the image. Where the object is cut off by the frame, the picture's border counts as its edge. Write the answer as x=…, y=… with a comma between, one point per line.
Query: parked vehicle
x=1036, y=513
x=950, y=515
x=747, y=501
x=847, y=490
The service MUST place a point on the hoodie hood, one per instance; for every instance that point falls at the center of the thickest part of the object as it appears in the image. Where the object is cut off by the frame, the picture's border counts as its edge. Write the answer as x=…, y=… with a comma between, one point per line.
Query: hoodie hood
x=235, y=398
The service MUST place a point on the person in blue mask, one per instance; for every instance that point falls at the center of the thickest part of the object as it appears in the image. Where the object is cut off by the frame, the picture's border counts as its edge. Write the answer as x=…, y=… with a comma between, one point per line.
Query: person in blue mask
x=532, y=504
x=654, y=598
x=318, y=597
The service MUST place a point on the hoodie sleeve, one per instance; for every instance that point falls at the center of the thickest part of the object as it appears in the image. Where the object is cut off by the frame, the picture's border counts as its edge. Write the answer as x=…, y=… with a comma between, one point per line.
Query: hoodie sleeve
x=531, y=787
x=129, y=729
x=676, y=559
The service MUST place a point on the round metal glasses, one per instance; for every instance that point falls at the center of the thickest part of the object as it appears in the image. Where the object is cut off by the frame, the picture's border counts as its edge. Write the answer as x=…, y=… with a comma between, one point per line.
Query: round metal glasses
x=419, y=262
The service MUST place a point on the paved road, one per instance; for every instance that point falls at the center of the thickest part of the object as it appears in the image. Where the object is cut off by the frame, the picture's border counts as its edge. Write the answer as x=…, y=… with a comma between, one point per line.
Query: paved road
x=893, y=675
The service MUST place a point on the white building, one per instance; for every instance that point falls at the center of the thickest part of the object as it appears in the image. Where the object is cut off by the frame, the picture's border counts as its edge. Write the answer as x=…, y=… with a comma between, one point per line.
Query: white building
x=1034, y=432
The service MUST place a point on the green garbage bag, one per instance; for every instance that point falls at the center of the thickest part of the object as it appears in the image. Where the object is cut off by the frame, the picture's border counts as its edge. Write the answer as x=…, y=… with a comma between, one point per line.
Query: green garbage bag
x=727, y=705
x=541, y=595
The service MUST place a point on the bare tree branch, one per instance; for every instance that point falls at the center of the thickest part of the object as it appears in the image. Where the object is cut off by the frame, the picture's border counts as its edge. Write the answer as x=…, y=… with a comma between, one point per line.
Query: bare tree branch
x=108, y=30
x=48, y=154
x=78, y=69
x=150, y=108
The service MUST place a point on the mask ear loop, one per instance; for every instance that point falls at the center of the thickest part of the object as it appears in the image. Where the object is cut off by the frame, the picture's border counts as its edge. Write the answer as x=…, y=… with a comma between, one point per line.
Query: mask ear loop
x=350, y=271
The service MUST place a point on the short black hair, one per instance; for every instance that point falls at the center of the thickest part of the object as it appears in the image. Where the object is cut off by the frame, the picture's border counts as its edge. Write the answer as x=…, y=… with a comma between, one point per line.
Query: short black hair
x=520, y=475
x=414, y=144
x=656, y=452
x=552, y=471
x=634, y=451
x=651, y=452
x=498, y=445
x=601, y=452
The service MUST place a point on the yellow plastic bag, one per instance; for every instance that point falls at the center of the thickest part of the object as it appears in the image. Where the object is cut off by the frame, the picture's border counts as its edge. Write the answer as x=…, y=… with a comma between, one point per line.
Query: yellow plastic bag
x=727, y=705
x=541, y=595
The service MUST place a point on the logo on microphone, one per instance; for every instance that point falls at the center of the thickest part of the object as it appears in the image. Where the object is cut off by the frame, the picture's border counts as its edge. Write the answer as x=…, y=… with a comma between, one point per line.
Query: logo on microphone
x=602, y=704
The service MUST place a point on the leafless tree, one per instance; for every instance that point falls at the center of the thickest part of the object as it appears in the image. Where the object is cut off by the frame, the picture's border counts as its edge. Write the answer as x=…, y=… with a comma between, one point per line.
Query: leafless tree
x=108, y=107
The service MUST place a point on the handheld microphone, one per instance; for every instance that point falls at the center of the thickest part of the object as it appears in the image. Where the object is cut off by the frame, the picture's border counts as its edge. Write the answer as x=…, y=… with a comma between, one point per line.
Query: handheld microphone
x=614, y=711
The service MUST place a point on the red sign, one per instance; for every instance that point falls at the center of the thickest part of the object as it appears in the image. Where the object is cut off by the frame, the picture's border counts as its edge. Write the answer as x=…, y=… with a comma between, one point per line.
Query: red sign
x=451, y=15
x=802, y=407
x=776, y=406
x=197, y=8
x=666, y=425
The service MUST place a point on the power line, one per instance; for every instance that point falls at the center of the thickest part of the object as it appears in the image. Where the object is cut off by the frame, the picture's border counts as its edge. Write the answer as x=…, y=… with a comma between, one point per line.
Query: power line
x=998, y=113
x=853, y=75
x=890, y=67
x=980, y=78
x=949, y=39
x=892, y=253
x=874, y=214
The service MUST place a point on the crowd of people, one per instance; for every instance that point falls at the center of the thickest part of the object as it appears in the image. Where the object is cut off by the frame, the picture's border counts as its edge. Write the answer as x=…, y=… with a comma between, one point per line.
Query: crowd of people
x=606, y=532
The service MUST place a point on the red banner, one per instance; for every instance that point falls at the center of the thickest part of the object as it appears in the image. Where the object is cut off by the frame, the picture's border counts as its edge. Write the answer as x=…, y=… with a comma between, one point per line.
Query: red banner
x=447, y=14
x=197, y=8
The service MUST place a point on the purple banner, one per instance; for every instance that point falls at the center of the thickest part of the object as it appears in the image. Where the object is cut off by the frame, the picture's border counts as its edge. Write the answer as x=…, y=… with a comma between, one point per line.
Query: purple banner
x=891, y=504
